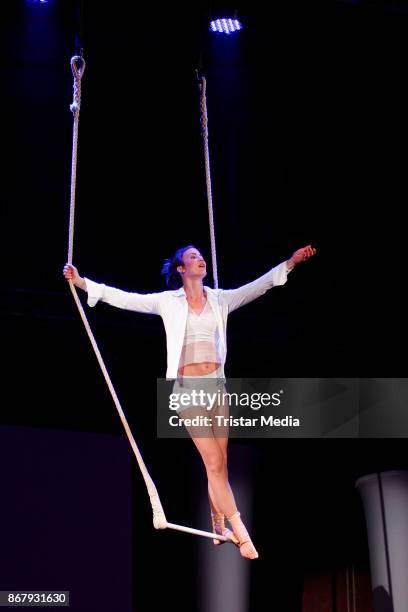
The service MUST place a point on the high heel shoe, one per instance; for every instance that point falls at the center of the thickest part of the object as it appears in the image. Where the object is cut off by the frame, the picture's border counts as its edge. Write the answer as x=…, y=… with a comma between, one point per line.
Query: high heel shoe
x=245, y=544
x=218, y=525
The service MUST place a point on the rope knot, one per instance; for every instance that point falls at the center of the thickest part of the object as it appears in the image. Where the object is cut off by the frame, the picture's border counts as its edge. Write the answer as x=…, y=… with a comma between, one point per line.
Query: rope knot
x=159, y=522
x=77, y=66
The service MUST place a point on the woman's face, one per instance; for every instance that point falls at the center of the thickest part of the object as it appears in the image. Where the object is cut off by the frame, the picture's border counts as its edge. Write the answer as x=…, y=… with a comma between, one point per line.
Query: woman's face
x=193, y=266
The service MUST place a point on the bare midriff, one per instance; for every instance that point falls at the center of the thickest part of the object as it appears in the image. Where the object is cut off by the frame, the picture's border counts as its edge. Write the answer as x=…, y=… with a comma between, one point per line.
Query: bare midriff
x=199, y=369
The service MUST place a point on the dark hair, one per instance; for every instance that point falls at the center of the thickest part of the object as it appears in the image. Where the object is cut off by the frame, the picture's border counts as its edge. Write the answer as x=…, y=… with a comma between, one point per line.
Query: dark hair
x=169, y=269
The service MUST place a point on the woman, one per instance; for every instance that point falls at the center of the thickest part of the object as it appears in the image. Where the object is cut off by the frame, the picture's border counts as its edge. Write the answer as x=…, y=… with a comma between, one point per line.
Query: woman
x=195, y=318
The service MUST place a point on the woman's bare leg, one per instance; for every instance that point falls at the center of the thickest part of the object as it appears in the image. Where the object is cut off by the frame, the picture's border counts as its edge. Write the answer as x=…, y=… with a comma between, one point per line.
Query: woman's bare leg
x=215, y=465
x=211, y=443
x=218, y=517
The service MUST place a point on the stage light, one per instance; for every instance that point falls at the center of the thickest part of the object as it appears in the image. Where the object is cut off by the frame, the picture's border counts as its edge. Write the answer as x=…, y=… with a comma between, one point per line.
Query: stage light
x=225, y=25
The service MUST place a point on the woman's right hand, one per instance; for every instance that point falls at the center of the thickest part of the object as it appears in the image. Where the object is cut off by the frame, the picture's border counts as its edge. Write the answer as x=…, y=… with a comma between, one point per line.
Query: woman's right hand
x=71, y=273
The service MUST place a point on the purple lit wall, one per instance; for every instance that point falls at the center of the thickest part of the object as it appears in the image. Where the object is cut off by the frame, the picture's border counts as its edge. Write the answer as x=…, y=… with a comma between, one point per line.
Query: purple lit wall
x=66, y=516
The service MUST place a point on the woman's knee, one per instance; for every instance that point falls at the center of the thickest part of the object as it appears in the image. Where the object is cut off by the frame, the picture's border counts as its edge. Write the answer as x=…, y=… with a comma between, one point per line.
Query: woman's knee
x=215, y=462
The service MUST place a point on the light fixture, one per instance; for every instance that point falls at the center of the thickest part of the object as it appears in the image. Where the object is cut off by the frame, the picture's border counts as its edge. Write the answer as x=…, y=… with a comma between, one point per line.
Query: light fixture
x=225, y=25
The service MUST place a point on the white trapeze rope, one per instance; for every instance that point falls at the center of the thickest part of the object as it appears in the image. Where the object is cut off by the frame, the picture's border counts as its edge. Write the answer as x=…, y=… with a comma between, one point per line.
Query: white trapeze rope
x=159, y=518
x=204, y=131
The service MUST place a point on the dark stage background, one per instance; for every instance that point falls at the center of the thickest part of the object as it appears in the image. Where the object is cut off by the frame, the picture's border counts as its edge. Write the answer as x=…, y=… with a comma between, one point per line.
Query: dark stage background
x=308, y=131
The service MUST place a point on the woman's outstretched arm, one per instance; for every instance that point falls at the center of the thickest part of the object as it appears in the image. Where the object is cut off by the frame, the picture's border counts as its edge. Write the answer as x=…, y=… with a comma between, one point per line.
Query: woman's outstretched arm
x=235, y=298
x=147, y=303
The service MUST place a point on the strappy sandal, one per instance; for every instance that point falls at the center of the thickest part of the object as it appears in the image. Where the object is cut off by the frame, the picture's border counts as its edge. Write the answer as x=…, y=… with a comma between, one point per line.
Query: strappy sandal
x=242, y=536
x=218, y=525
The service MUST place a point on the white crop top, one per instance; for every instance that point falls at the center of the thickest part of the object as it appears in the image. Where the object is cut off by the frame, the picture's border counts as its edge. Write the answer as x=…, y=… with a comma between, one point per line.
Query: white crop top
x=201, y=338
